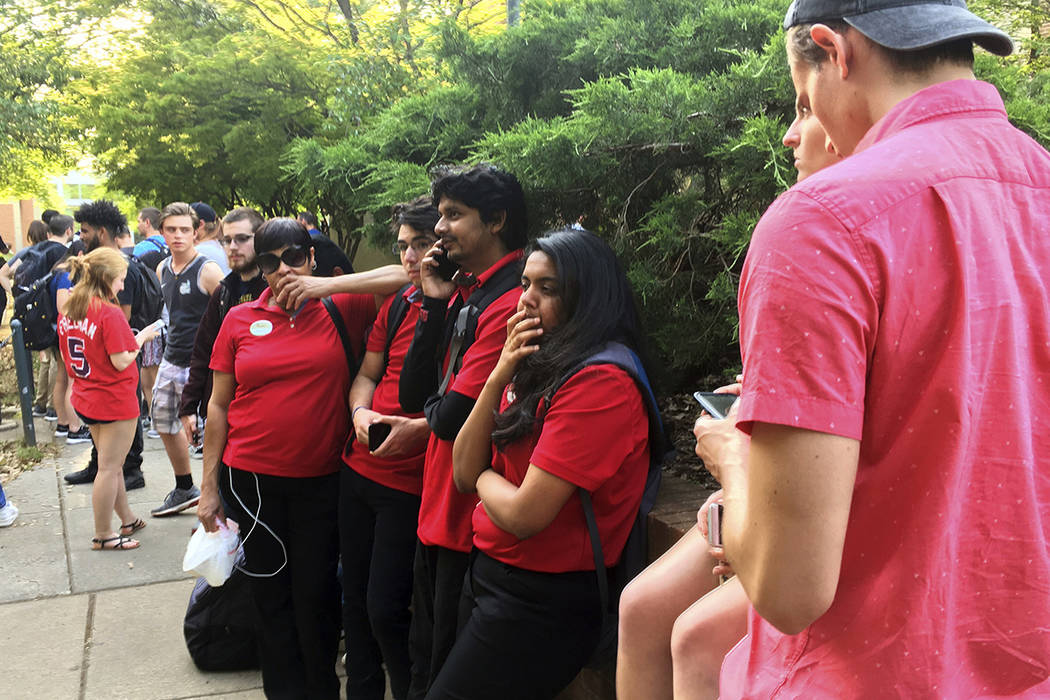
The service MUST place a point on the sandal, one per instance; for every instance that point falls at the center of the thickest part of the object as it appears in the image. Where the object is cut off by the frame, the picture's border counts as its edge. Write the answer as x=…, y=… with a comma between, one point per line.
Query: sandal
x=133, y=527
x=118, y=542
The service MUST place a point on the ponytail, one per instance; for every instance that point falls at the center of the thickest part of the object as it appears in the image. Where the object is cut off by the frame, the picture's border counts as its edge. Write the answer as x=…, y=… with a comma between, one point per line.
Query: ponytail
x=94, y=274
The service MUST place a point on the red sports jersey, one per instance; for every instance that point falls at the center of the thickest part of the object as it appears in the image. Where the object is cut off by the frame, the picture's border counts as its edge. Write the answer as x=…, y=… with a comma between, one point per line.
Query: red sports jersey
x=99, y=390
x=596, y=436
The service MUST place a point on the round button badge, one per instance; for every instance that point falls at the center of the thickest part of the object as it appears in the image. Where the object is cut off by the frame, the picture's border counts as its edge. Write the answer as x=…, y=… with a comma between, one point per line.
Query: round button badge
x=260, y=328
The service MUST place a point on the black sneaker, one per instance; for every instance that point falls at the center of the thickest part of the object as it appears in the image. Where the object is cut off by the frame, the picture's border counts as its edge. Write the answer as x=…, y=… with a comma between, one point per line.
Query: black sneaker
x=75, y=437
x=39, y=412
x=84, y=476
x=61, y=430
x=133, y=479
x=50, y=415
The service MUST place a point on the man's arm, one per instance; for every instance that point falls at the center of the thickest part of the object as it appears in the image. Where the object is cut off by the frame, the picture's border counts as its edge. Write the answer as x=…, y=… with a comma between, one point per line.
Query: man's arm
x=293, y=290
x=211, y=275
x=7, y=275
x=193, y=392
x=787, y=503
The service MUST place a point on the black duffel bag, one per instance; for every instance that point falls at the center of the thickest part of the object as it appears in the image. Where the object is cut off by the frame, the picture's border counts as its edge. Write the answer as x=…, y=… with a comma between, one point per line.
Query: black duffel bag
x=221, y=625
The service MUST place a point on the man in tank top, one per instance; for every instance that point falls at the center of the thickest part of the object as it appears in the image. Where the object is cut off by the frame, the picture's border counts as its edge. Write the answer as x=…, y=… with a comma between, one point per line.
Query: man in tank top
x=187, y=280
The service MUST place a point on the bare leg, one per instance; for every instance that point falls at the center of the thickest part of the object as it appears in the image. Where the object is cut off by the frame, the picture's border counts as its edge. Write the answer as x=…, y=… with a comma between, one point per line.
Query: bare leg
x=62, y=400
x=178, y=451
x=147, y=378
x=649, y=606
x=113, y=441
x=701, y=638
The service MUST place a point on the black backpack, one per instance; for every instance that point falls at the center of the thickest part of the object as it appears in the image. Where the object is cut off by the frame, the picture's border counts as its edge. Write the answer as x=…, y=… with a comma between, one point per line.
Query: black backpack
x=36, y=311
x=148, y=307
x=634, y=558
x=37, y=261
x=395, y=316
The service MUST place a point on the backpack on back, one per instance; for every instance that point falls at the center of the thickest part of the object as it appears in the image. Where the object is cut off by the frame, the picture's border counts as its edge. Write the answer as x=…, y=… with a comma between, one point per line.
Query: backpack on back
x=37, y=261
x=634, y=557
x=148, y=307
x=35, y=310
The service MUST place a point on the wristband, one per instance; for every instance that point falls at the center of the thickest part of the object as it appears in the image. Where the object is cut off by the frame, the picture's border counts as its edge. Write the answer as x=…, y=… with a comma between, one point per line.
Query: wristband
x=354, y=412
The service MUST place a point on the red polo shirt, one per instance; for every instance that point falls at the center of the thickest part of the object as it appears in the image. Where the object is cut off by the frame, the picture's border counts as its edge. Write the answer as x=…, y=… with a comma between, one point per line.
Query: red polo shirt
x=901, y=298
x=99, y=390
x=403, y=473
x=598, y=400
x=289, y=414
x=444, y=514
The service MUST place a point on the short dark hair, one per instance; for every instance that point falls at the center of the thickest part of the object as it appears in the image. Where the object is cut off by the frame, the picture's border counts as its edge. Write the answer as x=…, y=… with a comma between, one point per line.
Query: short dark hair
x=419, y=214
x=248, y=214
x=47, y=215
x=60, y=224
x=280, y=232
x=102, y=213
x=957, y=52
x=491, y=191
x=308, y=217
x=152, y=215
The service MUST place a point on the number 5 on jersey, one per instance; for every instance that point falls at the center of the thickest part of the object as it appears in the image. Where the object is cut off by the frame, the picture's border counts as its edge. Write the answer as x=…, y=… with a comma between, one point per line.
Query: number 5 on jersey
x=77, y=360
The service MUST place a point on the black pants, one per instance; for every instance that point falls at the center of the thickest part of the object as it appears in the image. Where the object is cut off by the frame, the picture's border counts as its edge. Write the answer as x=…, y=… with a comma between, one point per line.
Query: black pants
x=437, y=591
x=299, y=605
x=528, y=635
x=377, y=534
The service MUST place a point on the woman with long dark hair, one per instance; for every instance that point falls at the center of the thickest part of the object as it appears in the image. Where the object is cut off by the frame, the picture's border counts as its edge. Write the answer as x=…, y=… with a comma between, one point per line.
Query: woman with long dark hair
x=534, y=439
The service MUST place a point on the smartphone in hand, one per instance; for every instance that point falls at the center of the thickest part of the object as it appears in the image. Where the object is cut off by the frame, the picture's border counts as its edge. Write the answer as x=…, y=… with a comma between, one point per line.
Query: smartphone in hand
x=714, y=524
x=377, y=433
x=717, y=405
x=446, y=269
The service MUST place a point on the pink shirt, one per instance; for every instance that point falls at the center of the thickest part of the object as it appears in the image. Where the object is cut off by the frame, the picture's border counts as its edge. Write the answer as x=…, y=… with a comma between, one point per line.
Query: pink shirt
x=900, y=298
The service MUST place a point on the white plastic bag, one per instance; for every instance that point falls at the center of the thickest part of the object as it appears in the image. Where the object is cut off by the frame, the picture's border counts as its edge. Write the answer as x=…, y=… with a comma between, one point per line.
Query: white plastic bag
x=212, y=554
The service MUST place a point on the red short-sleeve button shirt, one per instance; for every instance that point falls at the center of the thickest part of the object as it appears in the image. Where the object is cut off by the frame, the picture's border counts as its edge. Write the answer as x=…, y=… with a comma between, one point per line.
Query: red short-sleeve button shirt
x=289, y=414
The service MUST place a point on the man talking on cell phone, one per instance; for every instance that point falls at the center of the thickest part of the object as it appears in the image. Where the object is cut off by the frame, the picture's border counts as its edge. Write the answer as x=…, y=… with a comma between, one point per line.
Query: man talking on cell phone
x=889, y=520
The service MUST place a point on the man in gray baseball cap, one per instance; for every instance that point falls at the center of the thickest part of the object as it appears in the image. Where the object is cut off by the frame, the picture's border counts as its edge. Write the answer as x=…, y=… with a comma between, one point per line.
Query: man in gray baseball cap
x=889, y=517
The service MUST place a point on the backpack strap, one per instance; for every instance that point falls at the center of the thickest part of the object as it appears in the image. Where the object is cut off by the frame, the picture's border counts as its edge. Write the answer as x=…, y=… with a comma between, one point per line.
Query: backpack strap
x=395, y=316
x=161, y=248
x=344, y=337
x=501, y=282
x=596, y=547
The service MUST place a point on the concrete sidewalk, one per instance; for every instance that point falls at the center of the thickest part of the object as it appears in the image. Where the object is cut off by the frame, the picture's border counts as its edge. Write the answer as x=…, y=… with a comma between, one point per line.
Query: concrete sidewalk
x=79, y=624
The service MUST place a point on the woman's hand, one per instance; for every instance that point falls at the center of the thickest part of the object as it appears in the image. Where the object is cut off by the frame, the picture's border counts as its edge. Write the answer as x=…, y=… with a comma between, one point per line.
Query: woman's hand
x=363, y=417
x=292, y=290
x=433, y=285
x=522, y=334
x=148, y=333
x=210, y=507
x=722, y=568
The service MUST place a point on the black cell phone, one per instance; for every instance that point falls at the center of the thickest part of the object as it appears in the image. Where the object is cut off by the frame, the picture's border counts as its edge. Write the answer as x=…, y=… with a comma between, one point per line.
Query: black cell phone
x=446, y=269
x=717, y=405
x=714, y=524
x=377, y=433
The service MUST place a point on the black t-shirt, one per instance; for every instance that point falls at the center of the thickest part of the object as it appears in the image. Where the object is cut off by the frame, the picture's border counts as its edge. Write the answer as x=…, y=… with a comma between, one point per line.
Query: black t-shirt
x=132, y=285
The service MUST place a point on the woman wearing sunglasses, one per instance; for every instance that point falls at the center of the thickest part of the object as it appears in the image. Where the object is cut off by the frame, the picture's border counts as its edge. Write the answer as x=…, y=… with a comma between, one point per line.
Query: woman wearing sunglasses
x=528, y=447
x=277, y=423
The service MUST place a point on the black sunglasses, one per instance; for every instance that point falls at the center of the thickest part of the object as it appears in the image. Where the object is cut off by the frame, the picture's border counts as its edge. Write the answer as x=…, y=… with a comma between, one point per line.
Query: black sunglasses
x=293, y=256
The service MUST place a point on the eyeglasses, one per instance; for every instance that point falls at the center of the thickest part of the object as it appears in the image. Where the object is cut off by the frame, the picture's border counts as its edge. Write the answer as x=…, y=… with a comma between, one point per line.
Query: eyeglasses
x=293, y=256
x=239, y=239
x=420, y=245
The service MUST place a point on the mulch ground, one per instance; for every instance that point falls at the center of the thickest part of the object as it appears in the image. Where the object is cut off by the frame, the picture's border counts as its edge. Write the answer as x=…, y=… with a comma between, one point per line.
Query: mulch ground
x=679, y=412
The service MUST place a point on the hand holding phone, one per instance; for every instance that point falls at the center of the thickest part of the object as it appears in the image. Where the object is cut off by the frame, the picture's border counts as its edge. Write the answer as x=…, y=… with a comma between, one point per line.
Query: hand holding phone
x=446, y=269
x=377, y=433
